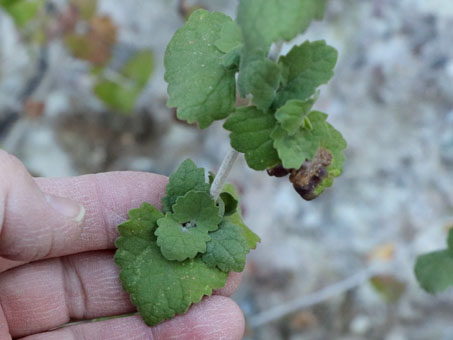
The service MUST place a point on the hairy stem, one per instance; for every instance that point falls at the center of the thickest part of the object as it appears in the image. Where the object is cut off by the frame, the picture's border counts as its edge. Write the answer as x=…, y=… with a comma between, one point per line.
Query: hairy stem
x=222, y=174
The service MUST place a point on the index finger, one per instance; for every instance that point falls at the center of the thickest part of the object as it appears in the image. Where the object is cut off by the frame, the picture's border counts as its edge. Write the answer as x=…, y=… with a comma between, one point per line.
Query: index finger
x=106, y=197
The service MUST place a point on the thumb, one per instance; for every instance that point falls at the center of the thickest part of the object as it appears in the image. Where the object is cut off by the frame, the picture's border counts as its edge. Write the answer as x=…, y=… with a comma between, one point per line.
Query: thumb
x=33, y=224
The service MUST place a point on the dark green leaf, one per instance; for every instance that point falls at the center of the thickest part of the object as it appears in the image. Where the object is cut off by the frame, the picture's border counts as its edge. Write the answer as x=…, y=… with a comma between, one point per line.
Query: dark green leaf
x=306, y=67
x=186, y=178
x=178, y=242
x=227, y=249
x=250, y=133
x=199, y=85
x=159, y=288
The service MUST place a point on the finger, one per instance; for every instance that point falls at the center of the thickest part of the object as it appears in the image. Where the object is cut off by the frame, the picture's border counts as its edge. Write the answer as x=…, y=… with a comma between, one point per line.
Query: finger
x=106, y=197
x=31, y=222
x=8, y=264
x=47, y=294
x=213, y=318
x=35, y=217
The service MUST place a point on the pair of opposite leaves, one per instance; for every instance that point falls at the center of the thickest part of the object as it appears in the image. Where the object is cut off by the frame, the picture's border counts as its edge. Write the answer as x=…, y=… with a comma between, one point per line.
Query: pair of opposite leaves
x=166, y=265
x=203, y=58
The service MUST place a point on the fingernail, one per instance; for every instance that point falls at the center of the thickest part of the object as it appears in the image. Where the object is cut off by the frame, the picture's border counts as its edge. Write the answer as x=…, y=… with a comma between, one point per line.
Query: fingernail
x=66, y=207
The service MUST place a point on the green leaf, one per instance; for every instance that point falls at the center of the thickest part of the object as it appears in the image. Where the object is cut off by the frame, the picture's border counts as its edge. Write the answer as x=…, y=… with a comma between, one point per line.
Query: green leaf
x=265, y=22
x=187, y=177
x=178, y=242
x=306, y=68
x=199, y=209
x=199, y=85
x=434, y=271
x=230, y=37
x=122, y=96
x=139, y=68
x=292, y=115
x=141, y=221
x=251, y=238
x=262, y=23
x=227, y=249
x=116, y=96
x=389, y=287
x=295, y=149
x=22, y=11
x=250, y=133
x=261, y=78
x=230, y=202
x=159, y=288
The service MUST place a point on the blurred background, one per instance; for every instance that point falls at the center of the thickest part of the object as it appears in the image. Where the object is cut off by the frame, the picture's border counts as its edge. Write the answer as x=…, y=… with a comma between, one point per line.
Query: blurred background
x=82, y=91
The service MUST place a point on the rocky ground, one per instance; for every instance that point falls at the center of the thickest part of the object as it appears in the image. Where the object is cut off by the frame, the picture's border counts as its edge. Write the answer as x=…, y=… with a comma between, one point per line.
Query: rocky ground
x=392, y=98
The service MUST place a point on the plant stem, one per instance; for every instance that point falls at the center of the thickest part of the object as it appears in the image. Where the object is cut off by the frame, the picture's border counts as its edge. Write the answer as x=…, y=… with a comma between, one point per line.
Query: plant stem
x=230, y=158
x=222, y=174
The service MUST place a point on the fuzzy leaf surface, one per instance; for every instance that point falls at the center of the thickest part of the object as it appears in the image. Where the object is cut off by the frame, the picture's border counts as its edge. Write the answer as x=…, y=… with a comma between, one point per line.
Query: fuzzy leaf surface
x=292, y=115
x=250, y=133
x=306, y=67
x=199, y=209
x=186, y=178
x=199, y=85
x=178, y=243
x=159, y=288
x=227, y=249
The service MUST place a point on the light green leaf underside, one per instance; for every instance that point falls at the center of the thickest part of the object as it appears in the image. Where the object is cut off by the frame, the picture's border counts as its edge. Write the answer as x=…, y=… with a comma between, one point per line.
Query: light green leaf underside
x=291, y=115
x=306, y=67
x=186, y=178
x=251, y=238
x=159, y=288
x=198, y=208
x=250, y=133
x=199, y=85
x=178, y=243
x=227, y=249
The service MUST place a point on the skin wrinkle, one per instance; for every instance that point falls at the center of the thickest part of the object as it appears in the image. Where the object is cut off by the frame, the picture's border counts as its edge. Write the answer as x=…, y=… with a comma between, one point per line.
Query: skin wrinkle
x=76, y=305
x=221, y=317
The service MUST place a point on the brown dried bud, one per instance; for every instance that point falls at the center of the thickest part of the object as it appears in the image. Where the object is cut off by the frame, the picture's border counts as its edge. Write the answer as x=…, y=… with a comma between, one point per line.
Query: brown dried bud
x=307, y=178
x=278, y=171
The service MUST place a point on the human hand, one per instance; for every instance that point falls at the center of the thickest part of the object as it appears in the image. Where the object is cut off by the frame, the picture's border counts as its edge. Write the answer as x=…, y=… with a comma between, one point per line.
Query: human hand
x=56, y=261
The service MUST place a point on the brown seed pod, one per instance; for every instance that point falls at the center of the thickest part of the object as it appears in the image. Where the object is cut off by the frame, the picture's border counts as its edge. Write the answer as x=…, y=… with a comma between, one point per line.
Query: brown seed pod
x=307, y=178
